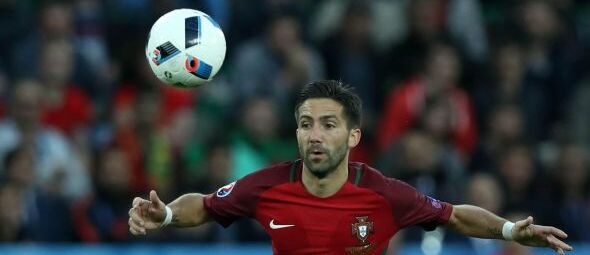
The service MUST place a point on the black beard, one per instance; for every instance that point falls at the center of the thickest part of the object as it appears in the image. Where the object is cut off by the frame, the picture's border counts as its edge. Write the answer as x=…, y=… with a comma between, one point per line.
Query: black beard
x=322, y=173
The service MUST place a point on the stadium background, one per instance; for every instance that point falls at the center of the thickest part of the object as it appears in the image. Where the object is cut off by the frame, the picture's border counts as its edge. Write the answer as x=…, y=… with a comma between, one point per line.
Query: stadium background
x=483, y=102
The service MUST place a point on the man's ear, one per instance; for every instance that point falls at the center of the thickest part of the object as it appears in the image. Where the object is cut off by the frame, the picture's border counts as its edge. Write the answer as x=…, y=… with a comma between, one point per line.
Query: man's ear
x=354, y=137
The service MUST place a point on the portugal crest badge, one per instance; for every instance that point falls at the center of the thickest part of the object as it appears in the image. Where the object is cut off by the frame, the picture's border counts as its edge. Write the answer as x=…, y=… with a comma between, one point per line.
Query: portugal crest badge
x=362, y=228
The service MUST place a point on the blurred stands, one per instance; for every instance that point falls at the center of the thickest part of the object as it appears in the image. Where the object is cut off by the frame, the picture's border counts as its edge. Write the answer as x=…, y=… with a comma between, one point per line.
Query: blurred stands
x=461, y=97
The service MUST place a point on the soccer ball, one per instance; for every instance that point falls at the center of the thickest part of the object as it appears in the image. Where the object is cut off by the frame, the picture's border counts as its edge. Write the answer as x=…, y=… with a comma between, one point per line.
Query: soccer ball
x=185, y=48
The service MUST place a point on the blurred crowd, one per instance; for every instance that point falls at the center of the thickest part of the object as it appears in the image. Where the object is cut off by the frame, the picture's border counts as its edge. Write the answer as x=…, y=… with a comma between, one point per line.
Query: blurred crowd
x=471, y=101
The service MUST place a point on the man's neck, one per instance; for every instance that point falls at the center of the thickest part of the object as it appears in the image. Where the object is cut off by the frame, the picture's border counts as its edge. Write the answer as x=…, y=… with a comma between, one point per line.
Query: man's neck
x=328, y=185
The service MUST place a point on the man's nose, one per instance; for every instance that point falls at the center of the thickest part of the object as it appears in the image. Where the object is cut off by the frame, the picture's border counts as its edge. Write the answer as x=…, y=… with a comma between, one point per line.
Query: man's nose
x=315, y=136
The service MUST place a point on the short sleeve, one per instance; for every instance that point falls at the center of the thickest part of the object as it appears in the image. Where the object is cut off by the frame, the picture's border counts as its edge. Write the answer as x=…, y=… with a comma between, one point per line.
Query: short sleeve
x=231, y=202
x=240, y=199
x=410, y=207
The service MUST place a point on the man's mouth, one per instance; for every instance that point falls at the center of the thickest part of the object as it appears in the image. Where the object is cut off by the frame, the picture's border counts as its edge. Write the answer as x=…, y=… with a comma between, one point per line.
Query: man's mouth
x=317, y=153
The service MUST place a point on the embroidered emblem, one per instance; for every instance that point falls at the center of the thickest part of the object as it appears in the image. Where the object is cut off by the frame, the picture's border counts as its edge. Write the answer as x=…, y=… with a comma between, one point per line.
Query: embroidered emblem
x=225, y=190
x=362, y=228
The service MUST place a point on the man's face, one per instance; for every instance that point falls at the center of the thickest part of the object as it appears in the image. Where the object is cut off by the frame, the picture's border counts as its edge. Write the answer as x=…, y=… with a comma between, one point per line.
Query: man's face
x=323, y=136
x=26, y=105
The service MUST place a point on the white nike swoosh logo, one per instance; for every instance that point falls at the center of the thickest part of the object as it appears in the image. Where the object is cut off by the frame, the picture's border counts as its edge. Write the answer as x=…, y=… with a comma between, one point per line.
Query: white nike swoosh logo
x=277, y=226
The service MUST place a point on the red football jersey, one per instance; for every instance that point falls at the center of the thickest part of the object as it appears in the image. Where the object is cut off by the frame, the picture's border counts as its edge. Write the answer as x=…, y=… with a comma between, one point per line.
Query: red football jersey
x=359, y=219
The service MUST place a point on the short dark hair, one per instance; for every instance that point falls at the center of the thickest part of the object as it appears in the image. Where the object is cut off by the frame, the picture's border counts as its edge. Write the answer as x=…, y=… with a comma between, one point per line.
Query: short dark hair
x=337, y=91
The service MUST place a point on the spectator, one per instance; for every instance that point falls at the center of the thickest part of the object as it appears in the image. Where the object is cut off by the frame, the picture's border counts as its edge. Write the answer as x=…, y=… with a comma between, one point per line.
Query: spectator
x=213, y=171
x=524, y=183
x=66, y=106
x=257, y=141
x=424, y=28
x=504, y=127
x=102, y=216
x=19, y=168
x=484, y=191
x=58, y=167
x=424, y=162
x=11, y=227
x=276, y=65
x=427, y=22
x=246, y=17
x=437, y=119
x=140, y=79
x=90, y=26
x=55, y=23
x=405, y=103
x=386, y=22
x=510, y=85
x=140, y=134
x=572, y=192
x=550, y=58
x=44, y=213
x=351, y=57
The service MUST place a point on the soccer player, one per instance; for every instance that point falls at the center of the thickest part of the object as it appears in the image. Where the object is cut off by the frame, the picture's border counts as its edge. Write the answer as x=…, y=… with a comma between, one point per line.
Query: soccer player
x=324, y=204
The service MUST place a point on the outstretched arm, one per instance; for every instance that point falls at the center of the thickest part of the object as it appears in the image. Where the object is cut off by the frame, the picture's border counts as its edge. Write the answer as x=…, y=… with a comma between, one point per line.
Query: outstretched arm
x=188, y=211
x=185, y=211
x=477, y=222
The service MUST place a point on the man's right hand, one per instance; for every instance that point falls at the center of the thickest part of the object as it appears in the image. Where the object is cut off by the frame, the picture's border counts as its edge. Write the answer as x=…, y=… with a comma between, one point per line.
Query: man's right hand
x=146, y=214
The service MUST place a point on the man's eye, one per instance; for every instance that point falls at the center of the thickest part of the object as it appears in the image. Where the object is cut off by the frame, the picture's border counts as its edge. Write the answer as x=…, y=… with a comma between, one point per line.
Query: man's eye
x=330, y=126
x=305, y=125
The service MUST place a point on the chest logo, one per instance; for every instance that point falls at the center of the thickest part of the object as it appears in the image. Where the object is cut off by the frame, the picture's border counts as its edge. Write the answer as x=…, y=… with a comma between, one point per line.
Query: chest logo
x=362, y=228
x=278, y=226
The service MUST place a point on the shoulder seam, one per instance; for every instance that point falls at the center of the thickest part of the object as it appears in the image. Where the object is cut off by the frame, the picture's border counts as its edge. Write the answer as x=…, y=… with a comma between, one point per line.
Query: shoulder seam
x=293, y=170
x=358, y=170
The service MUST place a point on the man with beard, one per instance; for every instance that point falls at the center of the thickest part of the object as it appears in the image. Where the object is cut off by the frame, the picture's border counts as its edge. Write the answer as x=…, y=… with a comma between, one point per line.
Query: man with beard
x=325, y=204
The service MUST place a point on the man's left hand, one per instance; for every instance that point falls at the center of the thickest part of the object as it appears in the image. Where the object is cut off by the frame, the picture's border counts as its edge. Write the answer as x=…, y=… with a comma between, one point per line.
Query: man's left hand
x=527, y=233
